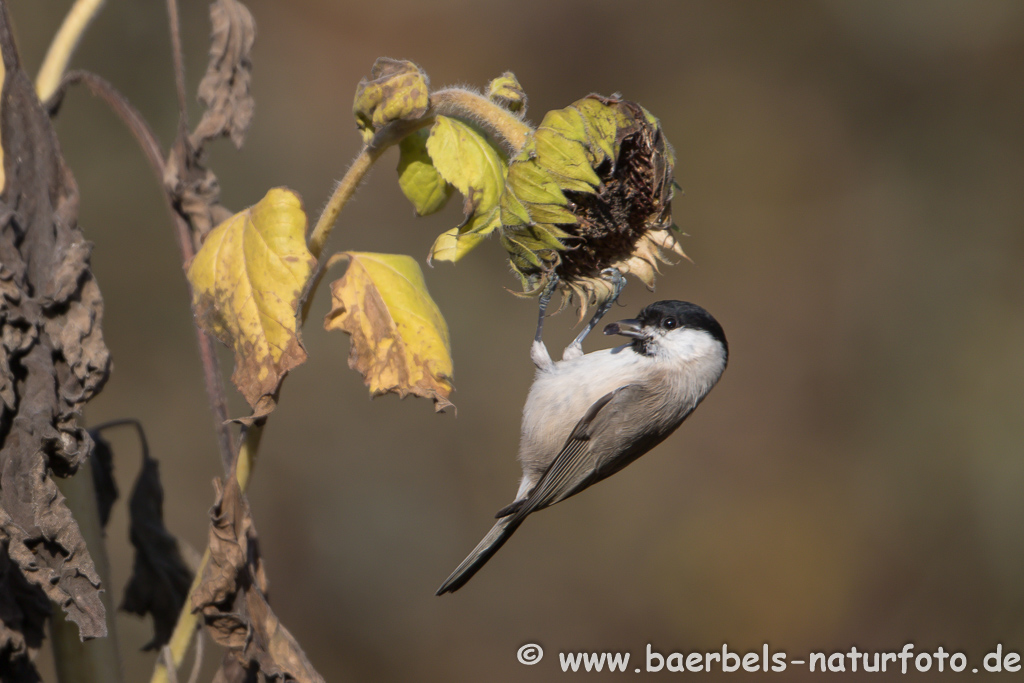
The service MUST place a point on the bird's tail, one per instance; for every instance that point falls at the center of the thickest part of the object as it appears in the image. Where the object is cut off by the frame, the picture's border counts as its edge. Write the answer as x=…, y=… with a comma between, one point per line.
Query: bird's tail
x=486, y=548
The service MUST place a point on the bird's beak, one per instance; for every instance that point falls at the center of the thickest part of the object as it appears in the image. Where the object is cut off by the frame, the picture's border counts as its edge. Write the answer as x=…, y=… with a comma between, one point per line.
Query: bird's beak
x=627, y=328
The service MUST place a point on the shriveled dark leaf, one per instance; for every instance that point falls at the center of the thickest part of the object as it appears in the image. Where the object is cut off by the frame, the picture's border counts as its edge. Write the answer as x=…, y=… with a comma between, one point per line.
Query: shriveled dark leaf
x=54, y=361
x=103, y=476
x=225, y=87
x=233, y=597
x=194, y=189
x=232, y=671
x=24, y=608
x=160, y=578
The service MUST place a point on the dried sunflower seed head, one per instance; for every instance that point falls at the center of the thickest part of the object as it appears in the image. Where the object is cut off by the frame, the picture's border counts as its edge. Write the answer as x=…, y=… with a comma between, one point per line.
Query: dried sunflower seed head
x=591, y=189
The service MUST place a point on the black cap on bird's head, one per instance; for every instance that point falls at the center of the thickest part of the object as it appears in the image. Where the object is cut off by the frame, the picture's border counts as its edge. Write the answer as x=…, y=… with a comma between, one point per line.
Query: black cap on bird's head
x=669, y=315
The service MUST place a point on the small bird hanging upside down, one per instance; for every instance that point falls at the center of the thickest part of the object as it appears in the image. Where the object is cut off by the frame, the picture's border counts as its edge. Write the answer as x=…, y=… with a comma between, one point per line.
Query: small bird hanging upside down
x=589, y=415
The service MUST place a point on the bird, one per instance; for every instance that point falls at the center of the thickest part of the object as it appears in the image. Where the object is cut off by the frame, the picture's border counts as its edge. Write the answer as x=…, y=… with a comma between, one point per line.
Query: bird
x=590, y=415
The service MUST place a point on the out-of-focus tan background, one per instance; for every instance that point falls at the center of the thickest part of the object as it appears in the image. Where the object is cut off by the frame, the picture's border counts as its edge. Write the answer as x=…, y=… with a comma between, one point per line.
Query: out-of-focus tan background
x=852, y=176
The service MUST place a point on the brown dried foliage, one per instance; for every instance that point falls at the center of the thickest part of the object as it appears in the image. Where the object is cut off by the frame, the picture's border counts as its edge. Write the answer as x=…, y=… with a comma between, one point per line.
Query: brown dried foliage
x=224, y=89
x=53, y=361
x=160, y=578
x=233, y=595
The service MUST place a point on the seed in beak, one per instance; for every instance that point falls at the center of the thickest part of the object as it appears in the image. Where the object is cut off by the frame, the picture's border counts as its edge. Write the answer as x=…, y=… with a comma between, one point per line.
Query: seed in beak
x=626, y=328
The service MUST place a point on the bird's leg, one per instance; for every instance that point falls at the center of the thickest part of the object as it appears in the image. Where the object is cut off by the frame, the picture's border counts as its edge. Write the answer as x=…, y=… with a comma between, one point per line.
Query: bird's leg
x=575, y=349
x=538, y=352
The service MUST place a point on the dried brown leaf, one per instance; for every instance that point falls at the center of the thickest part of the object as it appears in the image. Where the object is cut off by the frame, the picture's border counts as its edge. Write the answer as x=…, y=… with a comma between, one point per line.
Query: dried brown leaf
x=160, y=578
x=233, y=596
x=54, y=360
x=225, y=87
x=102, y=460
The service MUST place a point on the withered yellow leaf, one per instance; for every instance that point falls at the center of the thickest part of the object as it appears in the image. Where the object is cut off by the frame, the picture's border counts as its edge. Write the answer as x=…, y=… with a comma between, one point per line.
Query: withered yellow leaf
x=400, y=340
x=247, y=283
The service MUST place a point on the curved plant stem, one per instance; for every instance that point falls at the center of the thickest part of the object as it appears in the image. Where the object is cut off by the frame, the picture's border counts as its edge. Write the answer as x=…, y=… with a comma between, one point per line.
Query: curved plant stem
x=505, y=125
x=151, y=148
x=188, y=622
x=179, y=60
x=387, y=136
x=342, y=193
x=63, y=46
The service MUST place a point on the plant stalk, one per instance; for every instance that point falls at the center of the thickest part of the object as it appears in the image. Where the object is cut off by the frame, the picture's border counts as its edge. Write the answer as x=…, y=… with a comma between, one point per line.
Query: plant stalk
x=63, y=46
x=506, y=126
x=188, y=622
x=96, y=660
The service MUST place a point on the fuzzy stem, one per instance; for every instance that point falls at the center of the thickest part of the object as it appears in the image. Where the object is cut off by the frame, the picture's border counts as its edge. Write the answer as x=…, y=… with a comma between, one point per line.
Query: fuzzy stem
x=342, y=193
x=499, y=121
x=64, y=44
x=188, y=621
x=389, y=135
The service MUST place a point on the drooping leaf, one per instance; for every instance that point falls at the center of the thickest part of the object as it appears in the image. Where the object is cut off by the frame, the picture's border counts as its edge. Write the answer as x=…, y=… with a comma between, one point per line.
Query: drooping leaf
x=232, y=595
x=396, y=90
x=160, y=579
x=54, y=360
x=247, y=283
x=400, y=340
x=476, y=168
x=420, y=181
x=102, y=460
x=224, y=89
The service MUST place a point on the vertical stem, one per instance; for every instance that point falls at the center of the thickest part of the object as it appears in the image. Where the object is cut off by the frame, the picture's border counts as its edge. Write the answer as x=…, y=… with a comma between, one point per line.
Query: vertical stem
x=188, y=621
x=179, y=60
x=97, y=660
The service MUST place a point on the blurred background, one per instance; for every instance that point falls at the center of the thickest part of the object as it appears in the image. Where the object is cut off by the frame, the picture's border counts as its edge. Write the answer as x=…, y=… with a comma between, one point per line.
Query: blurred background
x=852, y=177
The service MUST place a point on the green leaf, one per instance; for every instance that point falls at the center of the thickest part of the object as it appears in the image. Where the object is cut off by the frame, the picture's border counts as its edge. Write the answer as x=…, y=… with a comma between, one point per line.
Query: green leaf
x=476, y=168
x=420, y=181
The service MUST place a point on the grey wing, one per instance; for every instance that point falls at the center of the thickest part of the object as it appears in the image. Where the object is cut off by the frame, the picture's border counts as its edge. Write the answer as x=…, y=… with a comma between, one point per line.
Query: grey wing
x=582, y=461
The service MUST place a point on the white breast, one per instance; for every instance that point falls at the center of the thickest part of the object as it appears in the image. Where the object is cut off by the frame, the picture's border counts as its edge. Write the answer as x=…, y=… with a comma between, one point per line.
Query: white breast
x=690, y=360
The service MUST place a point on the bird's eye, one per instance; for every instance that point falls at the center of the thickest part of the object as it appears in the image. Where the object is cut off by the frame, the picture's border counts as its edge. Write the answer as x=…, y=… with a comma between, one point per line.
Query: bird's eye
x=670, y=323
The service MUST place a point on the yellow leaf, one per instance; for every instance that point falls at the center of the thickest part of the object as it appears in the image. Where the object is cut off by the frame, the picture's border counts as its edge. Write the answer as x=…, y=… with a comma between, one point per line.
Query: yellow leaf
x=247, y=283
x=400, y=340
x=453, y=244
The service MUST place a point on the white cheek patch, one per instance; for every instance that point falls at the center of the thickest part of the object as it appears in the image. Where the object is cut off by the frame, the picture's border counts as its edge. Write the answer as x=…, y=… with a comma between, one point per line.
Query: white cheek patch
x=687, y=344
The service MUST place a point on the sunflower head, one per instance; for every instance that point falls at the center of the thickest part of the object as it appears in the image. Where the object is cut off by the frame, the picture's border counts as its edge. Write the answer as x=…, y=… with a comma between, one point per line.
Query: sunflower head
x=591, y=189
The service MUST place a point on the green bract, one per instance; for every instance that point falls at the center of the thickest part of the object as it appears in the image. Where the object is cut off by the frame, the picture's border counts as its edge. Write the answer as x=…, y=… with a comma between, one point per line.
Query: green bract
x=506, y=91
